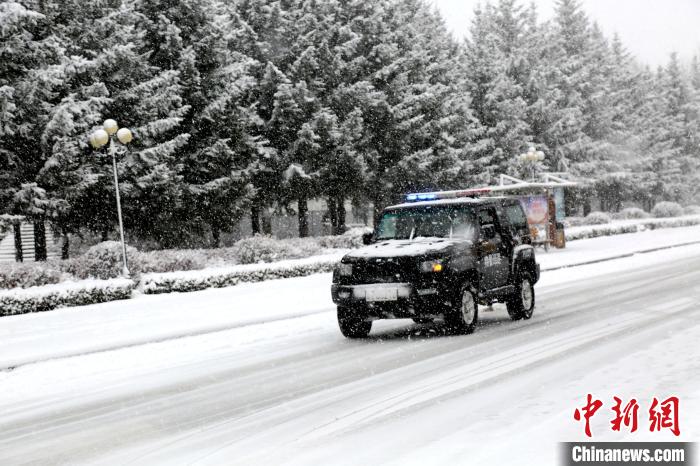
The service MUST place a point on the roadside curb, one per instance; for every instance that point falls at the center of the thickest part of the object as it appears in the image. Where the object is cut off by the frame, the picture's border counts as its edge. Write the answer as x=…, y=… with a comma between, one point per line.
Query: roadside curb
x=619, y=256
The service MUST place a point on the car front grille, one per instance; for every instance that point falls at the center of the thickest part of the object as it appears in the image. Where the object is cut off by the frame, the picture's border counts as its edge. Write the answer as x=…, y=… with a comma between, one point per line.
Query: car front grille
x=384, y=271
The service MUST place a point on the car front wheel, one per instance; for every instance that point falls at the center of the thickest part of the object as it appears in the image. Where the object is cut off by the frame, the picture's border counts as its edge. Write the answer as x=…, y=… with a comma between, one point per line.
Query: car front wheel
x=465, y=312
x=351, y=324
x=521, y=303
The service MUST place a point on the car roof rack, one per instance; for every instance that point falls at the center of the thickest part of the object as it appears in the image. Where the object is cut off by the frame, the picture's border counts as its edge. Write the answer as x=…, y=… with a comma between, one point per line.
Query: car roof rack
x=508, y=185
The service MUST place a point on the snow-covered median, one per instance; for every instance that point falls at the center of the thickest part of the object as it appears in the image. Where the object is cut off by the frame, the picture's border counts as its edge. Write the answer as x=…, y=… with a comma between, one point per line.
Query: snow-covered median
x=194, y=280
x=45, y=298
x=619, y=227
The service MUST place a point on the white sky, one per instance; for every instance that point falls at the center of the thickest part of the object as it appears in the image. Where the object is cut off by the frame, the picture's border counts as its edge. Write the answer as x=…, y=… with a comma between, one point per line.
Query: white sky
x=650, y=29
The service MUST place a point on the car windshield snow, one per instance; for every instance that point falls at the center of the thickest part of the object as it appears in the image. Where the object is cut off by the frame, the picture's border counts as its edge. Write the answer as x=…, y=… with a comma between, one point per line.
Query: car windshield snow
x=427, y=221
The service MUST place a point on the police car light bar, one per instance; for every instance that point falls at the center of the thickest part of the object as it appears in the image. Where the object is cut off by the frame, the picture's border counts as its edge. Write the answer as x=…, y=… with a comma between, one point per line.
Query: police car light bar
x=416, y=197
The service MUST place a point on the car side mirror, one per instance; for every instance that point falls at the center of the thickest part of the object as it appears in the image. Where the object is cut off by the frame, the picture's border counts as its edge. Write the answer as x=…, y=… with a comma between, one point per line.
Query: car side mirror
x=488, y=232
x=367, y=238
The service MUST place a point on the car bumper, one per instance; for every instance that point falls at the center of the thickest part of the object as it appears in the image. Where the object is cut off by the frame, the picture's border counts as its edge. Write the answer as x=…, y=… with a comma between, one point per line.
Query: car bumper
x=392, y=300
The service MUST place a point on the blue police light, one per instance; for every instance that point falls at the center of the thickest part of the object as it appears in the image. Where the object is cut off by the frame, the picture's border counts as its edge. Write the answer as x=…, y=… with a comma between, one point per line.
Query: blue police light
x=421, y=197
x=447, y=194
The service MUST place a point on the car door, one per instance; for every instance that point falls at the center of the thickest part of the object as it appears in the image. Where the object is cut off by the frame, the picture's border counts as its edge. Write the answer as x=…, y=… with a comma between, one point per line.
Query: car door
x=492, y=249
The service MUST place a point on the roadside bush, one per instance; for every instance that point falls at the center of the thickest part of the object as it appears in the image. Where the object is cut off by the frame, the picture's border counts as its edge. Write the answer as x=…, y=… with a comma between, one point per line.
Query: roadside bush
x=349, y=240
x=633, y=213
x=650, y=224
x=573, y=222
x=231, y=276
x=103, y=261
x=596, y=218
x=46, y=298
x=172, y=260
x=24, y=275
x=261, y=249
x=667, y=209
x=691, y=210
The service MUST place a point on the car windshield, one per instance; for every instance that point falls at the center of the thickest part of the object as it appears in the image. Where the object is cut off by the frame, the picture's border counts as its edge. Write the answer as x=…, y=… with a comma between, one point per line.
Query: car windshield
x=427, y=221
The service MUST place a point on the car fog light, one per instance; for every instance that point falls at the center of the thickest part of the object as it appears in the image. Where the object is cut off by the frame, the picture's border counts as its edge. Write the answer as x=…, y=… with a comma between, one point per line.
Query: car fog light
x=344, y=294
x=431, y=266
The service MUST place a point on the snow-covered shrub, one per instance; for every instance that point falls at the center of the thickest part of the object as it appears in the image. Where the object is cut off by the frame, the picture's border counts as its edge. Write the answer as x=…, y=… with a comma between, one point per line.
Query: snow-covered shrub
x=45, y=298
x=596, y=218
x=691, y=210
x=633, y=213
x=103, y=261
x=349, y=240
x=229, y=276
x=261, y=248
x=601, y=230
x=302, y=247
x=573, y=222
x=172, y=260
x=610, y=230
x=358, y=231
x=24, y=275
x=667, y=209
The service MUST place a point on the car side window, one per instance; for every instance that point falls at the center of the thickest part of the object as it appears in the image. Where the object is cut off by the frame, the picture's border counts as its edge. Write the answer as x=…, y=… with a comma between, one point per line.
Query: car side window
x=463, y=225
x=516, y=217
x=487, y=217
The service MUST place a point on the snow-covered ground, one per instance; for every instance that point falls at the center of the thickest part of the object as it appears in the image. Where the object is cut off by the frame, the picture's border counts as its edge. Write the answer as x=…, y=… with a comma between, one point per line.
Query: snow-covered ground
x=259, y=374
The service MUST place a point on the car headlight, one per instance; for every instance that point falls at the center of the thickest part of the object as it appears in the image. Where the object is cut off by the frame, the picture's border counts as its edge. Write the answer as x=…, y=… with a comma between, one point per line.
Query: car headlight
x=345, y=270
x=431, y=266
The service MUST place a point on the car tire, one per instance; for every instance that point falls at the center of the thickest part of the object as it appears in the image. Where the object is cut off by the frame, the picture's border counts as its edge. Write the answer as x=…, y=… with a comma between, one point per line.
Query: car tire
x=521, y=304
x=351, y=324
x=465, y=312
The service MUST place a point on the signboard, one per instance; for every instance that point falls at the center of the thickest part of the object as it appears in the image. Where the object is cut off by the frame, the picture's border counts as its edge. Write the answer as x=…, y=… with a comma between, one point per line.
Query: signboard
x=535, y=207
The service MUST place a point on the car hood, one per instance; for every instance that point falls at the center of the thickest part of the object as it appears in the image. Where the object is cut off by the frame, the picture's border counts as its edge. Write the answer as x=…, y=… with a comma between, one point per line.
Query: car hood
x=403, y=248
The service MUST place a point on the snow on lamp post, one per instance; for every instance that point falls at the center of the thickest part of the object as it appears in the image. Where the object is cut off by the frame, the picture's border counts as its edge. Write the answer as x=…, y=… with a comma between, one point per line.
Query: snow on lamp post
x=530, y=159
x=100, y=138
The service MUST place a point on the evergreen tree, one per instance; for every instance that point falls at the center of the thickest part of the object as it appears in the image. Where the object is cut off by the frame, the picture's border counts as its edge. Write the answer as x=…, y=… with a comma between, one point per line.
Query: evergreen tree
x=29, y=78
x=497, y=68
x=199, y=40
x=108, y=75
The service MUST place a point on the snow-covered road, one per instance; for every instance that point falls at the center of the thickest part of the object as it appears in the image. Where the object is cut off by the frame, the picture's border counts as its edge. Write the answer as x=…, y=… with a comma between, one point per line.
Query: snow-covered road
x=275, y=382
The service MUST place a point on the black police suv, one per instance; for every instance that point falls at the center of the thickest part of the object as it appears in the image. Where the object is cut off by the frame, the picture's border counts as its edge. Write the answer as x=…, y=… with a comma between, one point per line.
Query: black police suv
x=438, y=258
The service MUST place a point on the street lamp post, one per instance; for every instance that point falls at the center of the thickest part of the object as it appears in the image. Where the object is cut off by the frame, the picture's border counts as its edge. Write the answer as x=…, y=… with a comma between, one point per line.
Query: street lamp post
x=100, y=138
x=530, y=159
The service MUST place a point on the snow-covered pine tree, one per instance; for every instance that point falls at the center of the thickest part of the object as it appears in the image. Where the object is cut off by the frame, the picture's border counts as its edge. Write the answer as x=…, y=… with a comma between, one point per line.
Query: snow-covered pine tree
x=661, y=122
x=421, y=123
x=27, y=94
x=108, y=75
x=681, y=132
x=201, y=43
x=565, y=138
x=497, y=66
x=433, y=110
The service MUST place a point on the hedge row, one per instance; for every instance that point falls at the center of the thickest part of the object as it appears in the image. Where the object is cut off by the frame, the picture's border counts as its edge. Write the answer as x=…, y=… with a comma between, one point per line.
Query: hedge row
x=196, y=280
x=46, y=298
x=104, y=260
x=611, y=230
